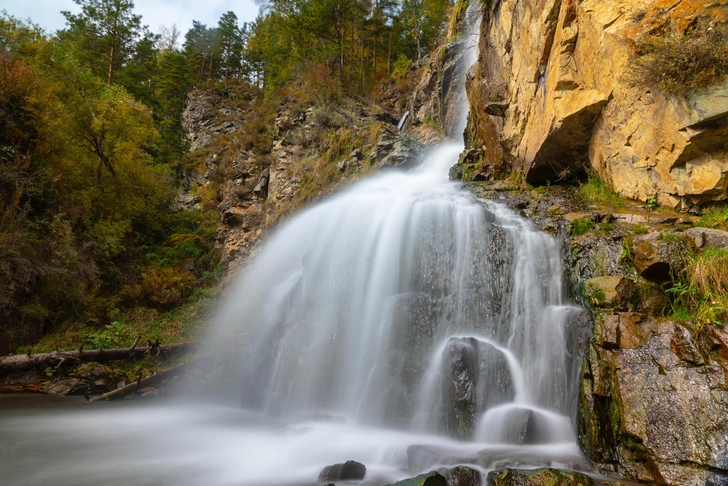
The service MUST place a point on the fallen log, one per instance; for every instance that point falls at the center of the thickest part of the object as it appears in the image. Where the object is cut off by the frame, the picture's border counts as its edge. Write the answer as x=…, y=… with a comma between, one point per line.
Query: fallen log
x=139, y=384
x=24, y=362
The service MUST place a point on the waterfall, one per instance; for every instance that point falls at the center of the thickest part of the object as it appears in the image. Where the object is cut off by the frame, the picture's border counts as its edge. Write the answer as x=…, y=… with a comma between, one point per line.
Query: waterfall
x=407, y=302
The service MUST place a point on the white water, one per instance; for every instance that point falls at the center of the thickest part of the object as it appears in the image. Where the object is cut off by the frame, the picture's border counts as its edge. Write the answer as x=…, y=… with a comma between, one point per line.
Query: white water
x=342, y=332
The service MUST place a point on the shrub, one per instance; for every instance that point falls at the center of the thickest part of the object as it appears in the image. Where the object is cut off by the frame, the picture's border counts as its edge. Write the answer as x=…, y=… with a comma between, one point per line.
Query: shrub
x=166, y=287
x=679, y=62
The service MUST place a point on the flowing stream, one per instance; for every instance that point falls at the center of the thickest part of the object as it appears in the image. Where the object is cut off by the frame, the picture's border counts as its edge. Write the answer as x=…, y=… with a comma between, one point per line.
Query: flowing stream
x=404, y=324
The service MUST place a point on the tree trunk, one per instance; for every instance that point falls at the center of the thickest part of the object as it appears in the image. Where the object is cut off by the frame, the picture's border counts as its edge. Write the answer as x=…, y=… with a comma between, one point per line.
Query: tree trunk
x=111, y=63
x=24, y=362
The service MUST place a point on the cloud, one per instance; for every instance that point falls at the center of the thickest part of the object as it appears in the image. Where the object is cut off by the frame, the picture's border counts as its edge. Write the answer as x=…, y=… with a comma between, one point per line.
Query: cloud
x=47, y=13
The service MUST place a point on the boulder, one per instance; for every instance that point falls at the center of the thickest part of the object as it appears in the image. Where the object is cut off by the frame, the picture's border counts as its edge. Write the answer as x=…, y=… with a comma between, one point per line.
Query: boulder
x=350, y=470
x=396, y=149
x=611, y=292
x=658, y=256
x=494, y=382
x=537, y=477
x=460, y=382
x=464, y=476
x=430, y=479
x=708, y=237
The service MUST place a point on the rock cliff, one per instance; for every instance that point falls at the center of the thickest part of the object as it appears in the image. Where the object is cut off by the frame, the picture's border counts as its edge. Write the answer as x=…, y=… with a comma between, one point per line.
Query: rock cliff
x=654, y=396
x=552, y=97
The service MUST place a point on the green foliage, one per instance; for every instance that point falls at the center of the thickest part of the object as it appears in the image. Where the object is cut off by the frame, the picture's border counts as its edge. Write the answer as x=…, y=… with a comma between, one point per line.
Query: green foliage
x=104, y=35
x=596, y=191
x=652, y=202
x=679, y=62
x=401, y=67
x=113, y=335
x=701, y=295
x=715, y=217
x=594, y=294
x=581, y=226
x=85, y=195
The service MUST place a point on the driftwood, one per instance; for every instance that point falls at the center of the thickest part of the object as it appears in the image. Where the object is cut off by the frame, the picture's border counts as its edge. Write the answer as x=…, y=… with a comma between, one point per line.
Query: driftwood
x=24, y=362
x=138, y=384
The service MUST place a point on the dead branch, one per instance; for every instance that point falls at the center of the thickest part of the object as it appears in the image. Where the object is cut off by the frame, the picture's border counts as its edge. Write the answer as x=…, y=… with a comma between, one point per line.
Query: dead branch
x=139, y=383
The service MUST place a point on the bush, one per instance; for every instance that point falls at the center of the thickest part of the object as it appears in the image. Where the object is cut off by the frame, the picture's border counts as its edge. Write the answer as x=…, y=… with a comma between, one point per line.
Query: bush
x=166, y=287
x=679, y=62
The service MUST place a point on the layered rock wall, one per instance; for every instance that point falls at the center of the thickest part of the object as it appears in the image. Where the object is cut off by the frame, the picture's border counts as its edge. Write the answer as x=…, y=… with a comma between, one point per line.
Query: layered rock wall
x=552, y=96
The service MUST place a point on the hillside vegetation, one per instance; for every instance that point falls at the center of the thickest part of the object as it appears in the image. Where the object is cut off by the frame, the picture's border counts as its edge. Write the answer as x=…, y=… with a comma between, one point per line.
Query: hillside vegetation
x=94, y=153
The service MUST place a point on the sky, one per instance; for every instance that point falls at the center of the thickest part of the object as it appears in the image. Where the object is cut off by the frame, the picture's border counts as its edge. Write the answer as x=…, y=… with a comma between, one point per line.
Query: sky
x=47, y=13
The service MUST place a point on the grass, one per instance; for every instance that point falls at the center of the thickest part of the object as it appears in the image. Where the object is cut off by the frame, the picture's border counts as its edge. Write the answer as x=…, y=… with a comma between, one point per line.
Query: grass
x=581, y=226
x=715, y=217
x=184, y=324
x=701, y=296
x=596, y=191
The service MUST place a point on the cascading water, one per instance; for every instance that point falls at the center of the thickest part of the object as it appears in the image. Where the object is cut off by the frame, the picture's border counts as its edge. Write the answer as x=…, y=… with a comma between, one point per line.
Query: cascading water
x=407, y=302
x=404, y=324
x=357, y=307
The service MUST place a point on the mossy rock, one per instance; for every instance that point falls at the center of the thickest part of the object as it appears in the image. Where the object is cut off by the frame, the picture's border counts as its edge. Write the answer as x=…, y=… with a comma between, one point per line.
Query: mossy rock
x=432, y=478
x=537, y=477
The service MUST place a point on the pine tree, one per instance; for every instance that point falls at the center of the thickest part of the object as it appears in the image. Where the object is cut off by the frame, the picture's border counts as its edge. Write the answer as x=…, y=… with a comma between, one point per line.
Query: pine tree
x=105, y=33
x=230, y=45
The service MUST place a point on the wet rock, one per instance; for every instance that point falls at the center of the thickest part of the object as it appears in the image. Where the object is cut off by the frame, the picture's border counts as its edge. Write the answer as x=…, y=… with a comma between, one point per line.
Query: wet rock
x=658, y=411
x=350, y=470
x=474, y=165
x=460, y=386
x=494, y=383
x=537, y=477
x=430, y=479
x=611, y=292
x=464, y=476
x=626, y=330
x=658, y=256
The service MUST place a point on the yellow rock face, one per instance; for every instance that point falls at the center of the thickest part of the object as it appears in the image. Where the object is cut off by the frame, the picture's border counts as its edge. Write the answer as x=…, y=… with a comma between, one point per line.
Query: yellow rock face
x=552, y=96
